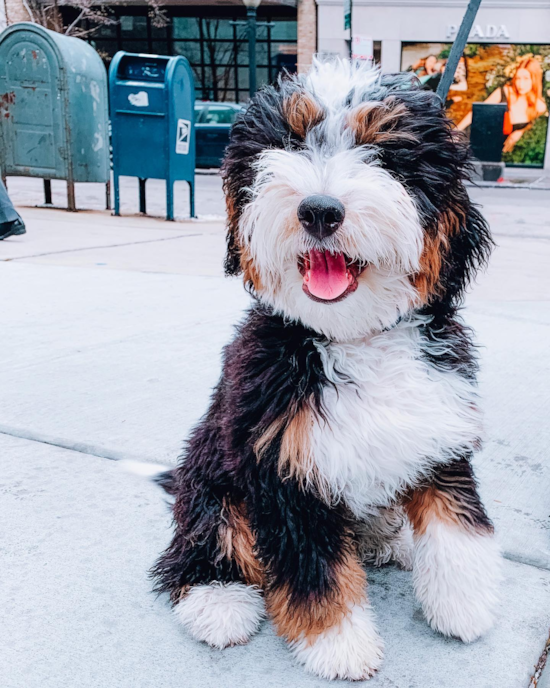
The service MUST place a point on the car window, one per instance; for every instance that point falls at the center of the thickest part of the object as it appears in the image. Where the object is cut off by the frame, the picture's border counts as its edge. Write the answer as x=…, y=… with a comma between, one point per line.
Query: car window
x=200, y=111
x=219, y=114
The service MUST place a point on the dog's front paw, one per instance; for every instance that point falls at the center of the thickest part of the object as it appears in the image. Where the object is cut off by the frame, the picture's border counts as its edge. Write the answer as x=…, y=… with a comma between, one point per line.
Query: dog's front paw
x=221, y=614
x=352, y=650
x=456, y=578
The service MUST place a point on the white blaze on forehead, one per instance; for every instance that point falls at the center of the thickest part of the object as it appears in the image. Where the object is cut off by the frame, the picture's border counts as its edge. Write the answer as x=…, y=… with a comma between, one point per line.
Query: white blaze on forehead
x=335, y=81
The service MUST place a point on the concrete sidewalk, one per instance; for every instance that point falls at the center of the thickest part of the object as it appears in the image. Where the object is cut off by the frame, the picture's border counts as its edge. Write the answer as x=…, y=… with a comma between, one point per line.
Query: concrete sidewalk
x=111, y=337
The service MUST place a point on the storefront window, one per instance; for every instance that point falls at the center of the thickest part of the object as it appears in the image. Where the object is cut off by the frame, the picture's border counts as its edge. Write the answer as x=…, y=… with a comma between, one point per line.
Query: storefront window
x=216, y=48
x=284, y=31
x=515, y=75
x=221, y=53
x=186, y=27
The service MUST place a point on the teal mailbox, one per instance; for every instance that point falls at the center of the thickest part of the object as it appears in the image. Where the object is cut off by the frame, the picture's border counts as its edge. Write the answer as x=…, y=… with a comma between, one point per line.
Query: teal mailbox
x=152, y=101
x=53, y=108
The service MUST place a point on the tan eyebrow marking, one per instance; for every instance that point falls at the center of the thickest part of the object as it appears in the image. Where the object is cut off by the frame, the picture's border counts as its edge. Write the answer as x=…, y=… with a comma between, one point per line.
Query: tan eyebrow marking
x=302, y=112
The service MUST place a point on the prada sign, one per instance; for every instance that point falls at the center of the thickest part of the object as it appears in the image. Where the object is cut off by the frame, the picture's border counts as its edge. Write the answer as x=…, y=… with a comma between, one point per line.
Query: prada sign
x=481, y=33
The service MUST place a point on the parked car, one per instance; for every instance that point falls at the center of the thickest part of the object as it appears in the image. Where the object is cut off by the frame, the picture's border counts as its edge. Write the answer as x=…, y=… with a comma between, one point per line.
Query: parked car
x=212, y=126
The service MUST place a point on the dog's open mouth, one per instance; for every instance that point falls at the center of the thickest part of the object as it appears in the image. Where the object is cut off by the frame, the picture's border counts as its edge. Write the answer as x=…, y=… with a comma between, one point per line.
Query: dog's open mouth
x=328, y=277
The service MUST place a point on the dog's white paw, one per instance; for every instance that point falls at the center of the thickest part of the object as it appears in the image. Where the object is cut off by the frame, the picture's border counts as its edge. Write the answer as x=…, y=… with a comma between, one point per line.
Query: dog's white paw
x=353, y=650
x=456, y=578
x=221, y=614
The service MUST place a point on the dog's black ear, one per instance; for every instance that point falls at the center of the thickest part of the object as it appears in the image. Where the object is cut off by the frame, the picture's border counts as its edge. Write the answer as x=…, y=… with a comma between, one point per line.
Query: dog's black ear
x=261, y=126
x=468, y=250
x=423, y=150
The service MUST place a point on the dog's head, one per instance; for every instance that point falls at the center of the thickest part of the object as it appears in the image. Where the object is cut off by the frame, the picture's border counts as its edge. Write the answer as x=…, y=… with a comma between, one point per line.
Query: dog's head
x=346, y=204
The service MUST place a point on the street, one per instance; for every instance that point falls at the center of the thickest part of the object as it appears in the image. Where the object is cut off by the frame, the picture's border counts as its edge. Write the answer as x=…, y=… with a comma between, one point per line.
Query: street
x=112, y=330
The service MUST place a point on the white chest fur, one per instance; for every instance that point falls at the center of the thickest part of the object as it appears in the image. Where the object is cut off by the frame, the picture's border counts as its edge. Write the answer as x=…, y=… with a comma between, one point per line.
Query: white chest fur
x=390, y=416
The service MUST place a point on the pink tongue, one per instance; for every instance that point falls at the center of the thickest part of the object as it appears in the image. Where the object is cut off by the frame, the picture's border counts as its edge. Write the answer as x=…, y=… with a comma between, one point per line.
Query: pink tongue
x=327, y=277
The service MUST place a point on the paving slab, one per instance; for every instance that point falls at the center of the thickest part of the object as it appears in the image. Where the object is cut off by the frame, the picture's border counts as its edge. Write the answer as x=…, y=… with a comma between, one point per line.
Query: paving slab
x=513, y=468
x=56, y=233
x=122, y=360
x=77, y=540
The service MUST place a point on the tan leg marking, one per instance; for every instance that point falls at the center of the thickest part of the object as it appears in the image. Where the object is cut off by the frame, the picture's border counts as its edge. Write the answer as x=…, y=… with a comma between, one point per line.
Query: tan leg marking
x=236, y=541
x=313, y=617
x=295, y=459
x=428, y=504
x=295, y=455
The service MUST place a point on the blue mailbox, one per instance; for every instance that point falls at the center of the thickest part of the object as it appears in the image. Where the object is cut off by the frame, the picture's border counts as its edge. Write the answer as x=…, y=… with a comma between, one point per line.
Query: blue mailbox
x=152, y=100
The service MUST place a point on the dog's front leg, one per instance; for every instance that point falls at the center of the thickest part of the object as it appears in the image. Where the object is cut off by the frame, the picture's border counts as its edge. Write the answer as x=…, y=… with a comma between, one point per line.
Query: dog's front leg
x=316, y=587
x=457, y=563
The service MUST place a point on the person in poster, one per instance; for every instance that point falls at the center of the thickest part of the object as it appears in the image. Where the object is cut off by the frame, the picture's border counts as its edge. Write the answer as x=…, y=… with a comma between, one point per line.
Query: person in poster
x=517, y=75
x=523, y=95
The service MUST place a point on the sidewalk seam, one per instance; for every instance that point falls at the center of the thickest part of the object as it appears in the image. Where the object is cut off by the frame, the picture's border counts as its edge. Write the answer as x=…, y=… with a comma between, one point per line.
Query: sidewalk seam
x=92, y=248
x=79, y=447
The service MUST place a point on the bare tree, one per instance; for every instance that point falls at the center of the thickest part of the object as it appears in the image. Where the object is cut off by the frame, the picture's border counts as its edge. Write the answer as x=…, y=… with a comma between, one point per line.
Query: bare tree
x=219, y=57
x=90, y=16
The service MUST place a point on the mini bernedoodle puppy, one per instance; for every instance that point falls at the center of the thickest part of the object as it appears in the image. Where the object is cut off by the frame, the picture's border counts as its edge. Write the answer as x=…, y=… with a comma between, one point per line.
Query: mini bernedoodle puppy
x=345, y=420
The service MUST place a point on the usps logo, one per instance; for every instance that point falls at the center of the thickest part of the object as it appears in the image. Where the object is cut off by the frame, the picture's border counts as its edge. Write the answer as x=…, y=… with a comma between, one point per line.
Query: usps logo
x=183, y=132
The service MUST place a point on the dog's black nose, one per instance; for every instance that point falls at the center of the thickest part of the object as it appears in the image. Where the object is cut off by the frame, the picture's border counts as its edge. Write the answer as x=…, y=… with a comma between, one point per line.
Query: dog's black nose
x=321, y=215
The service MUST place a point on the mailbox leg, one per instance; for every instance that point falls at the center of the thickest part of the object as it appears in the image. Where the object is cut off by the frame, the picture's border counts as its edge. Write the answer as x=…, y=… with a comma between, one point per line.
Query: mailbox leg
x=192, y=199
x=169, y=200
x=71, y=201
x=47, y=192
x=117, y=194
x=142, y=204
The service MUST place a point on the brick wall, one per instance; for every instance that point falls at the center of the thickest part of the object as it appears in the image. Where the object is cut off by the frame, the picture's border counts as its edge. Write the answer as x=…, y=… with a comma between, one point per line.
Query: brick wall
x=307, y=33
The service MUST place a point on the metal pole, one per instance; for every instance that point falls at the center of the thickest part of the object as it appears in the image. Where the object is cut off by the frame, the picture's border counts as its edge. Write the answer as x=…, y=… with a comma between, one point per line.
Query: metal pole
x=108, y=196
x=458, y=49
x=47, y=192
x=170, y=199
x=142, y=205
x=251, y=15
x=117, y=194
x=71, y=201
x=350, y=29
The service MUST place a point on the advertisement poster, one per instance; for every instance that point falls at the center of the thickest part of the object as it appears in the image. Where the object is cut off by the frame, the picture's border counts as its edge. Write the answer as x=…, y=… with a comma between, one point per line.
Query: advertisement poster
x=518, y=75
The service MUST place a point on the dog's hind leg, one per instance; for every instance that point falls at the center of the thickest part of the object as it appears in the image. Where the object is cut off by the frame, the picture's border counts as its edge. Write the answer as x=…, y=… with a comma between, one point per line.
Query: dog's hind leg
x=457, y=563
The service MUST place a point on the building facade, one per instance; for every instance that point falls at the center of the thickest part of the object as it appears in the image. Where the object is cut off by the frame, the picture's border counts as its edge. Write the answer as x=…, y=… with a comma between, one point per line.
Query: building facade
x=212, y=34
x=507, y=58
x=213, y=37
